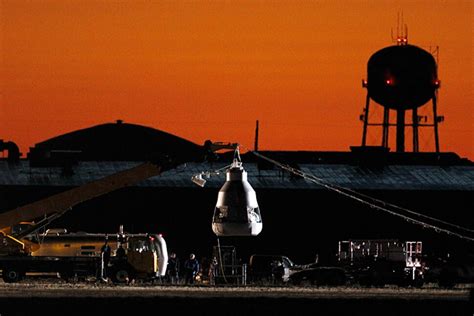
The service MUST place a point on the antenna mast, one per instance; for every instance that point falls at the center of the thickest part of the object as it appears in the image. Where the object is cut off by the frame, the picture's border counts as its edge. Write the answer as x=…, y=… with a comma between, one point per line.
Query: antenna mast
x=255, y=147
x=402, y=31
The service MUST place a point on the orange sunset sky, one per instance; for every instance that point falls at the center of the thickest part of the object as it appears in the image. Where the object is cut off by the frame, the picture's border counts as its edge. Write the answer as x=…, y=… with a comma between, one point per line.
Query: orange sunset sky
x=208, y=69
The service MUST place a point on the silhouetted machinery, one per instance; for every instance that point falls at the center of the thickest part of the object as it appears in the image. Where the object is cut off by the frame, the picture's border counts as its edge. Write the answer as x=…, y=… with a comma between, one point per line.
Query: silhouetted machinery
x=402, y=78
x=23, y=250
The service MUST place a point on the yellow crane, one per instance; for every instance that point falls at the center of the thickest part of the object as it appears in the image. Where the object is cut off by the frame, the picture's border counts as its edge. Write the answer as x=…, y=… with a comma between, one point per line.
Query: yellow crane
x=20, y=253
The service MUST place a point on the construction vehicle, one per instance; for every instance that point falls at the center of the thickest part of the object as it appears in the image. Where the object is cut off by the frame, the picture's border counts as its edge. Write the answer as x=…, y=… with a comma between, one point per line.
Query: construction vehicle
x=23, y=249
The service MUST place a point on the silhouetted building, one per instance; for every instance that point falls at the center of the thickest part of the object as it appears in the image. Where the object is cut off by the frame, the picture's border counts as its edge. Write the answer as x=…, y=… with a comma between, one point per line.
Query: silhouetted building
x=300, y=218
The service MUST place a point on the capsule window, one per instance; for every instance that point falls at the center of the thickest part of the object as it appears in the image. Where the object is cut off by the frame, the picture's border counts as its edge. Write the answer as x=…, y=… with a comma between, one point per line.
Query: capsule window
x=223, y=211
x=253, y=215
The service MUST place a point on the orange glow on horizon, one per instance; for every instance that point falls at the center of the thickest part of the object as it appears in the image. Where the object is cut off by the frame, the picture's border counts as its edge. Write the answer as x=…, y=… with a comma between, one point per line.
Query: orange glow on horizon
x=208, y=70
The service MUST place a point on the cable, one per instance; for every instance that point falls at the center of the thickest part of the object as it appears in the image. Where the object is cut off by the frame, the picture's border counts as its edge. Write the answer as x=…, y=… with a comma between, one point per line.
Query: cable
x=360, y=198
x=411, y=212
x=387, y=203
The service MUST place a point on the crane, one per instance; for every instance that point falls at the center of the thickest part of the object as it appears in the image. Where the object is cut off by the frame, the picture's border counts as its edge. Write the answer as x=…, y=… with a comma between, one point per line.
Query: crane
x=20, y=252
x=19, y=222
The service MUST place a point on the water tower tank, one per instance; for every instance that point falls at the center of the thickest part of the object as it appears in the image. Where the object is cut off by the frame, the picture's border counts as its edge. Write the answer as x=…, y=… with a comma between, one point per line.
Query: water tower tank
x=401, y=77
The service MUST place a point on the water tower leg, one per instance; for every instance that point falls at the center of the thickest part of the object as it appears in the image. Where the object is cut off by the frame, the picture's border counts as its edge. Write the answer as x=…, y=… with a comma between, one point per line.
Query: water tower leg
x=435, y=122
x=400, y=131
x=415, y=130
x=386, y=124
x=366, y=120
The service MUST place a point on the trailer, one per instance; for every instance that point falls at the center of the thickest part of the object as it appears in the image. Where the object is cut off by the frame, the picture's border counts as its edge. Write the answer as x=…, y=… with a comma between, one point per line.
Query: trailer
x=15, y=268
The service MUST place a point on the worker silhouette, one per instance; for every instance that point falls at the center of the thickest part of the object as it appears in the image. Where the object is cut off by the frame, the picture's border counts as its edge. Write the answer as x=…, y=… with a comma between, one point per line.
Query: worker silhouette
x=105, y=252
x=120, y=253
x=278, y=270
x=213, y=271
x=191, y=268
x=172, y=270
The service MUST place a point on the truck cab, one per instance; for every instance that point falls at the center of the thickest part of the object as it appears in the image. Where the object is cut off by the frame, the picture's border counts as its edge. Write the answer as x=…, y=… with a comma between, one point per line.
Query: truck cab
x=269, y=268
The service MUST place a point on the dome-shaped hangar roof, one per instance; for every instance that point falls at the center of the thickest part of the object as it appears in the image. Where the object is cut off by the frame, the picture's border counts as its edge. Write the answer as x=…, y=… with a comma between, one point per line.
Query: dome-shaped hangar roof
x=114, y=142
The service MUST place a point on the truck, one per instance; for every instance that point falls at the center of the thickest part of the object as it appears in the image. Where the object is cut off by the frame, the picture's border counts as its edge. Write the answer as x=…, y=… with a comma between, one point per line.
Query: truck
x=269, y=268
x=365, y=262
x=383, y=261
x=78, y=256
x=24, y=250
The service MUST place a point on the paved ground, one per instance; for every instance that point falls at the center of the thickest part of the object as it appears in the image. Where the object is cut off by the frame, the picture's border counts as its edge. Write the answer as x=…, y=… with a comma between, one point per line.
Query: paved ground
x=53, y=298
x=52, y=289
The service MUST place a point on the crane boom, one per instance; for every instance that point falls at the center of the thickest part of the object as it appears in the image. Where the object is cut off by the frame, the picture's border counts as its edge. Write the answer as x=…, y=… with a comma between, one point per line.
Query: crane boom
x=62, y=202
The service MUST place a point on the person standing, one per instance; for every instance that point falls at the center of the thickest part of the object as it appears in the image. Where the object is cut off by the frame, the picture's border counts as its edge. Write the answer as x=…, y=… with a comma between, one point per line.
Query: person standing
x=191, y=267
x=172, y=271
x=278, y=271
x=213, y=271
x=120, y=253
x=105, y=252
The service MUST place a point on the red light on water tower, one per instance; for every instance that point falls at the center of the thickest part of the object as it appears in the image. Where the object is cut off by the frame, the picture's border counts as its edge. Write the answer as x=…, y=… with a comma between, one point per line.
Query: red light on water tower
x=389, y=82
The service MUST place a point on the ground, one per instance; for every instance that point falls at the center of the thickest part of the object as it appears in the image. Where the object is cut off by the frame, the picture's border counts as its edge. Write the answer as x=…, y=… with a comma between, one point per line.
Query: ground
x=58, y=298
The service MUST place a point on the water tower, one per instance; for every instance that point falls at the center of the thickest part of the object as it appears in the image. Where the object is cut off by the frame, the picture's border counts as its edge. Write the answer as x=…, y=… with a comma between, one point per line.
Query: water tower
x=402, y=78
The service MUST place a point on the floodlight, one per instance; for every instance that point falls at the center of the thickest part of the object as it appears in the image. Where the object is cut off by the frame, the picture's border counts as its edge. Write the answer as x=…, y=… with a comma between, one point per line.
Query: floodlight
x=197, y=178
